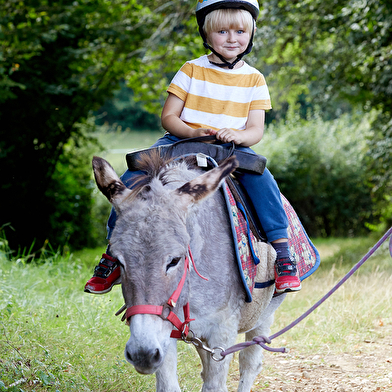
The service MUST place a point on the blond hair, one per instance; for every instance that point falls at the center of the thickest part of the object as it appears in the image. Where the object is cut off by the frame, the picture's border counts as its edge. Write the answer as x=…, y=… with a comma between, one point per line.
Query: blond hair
x=231, y=18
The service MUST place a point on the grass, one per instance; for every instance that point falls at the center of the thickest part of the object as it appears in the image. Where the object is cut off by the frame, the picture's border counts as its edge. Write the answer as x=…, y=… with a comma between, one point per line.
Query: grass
x=117, y=144
x=54, y=337
x=354, y=310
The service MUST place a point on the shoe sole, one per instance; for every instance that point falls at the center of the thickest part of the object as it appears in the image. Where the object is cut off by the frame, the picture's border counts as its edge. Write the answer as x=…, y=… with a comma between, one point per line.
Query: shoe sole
x=117, y=281
x=288, y=290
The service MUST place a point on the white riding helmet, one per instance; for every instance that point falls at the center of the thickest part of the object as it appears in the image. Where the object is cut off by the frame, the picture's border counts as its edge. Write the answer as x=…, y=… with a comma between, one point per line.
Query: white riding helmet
x=204, y=7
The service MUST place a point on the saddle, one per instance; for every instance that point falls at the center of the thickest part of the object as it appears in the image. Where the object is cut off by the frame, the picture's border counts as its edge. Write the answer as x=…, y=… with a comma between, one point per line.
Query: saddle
x=218, y=151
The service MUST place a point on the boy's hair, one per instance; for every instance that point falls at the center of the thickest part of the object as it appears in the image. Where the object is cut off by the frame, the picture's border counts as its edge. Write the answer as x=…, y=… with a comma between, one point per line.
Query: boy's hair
x=232, y=18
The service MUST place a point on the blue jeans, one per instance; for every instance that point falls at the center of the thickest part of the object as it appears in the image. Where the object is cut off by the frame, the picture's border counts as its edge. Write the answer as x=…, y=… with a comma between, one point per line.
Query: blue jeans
x=262, y=189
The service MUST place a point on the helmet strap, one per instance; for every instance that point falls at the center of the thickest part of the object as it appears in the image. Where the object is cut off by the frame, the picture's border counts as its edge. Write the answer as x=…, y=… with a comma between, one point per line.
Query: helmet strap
x=226, y=63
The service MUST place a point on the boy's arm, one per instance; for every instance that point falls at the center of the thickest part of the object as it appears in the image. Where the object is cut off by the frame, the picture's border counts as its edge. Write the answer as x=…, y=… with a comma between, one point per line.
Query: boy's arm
x=170, y=119
x=251, y=135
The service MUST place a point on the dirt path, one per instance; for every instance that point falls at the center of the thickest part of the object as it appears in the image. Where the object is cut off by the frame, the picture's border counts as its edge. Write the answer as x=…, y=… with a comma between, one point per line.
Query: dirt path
x=367, y=369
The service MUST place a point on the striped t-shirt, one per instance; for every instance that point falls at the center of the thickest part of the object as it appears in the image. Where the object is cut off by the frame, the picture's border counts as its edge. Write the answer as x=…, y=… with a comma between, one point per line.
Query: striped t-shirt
x=219, y=98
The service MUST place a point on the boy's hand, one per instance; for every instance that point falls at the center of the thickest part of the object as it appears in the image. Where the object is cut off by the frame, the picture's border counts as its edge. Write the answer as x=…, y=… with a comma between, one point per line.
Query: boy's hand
x=228, y=135
x=204, y=132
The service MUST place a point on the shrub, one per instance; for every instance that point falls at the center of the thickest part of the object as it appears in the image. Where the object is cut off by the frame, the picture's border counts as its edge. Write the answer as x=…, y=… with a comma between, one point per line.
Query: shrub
x=320, y=168
x=70, y=201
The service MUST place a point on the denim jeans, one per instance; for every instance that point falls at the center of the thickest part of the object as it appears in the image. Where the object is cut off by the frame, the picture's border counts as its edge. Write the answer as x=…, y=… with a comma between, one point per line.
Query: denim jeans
x=262, y=189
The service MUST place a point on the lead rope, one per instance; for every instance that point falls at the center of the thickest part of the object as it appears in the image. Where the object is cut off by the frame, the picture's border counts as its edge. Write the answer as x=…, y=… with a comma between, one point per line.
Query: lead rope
x=262, y=340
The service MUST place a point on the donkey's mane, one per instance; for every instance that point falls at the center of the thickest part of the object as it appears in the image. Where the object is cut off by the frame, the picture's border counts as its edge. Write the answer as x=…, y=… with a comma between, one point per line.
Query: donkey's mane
x=153, y=165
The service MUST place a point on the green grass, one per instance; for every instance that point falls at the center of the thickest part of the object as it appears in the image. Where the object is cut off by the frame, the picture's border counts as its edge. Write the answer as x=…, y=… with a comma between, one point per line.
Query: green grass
x=54, y=337
x=117, y=144
x=354, y=311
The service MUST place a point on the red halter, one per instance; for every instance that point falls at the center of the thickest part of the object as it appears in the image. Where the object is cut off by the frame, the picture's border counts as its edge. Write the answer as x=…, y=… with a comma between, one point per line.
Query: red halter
x=165, y=311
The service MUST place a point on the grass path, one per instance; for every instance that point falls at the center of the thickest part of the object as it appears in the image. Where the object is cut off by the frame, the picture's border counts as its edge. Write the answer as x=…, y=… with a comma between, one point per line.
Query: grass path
x=54, y=337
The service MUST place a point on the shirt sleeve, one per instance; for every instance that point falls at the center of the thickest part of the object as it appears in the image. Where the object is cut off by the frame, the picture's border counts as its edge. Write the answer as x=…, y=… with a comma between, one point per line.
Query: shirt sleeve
x=261, y=97
x=180, y=84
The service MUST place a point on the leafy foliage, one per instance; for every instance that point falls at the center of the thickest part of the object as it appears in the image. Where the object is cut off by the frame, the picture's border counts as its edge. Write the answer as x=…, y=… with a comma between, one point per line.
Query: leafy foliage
x=319, y=168
x=126, y=113
x=69, y=195
x=335, y=51
x=330, y=49
x=59, y=61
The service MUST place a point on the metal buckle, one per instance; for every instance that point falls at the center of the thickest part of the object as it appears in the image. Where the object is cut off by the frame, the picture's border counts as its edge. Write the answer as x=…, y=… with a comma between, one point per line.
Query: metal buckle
x=166, y=308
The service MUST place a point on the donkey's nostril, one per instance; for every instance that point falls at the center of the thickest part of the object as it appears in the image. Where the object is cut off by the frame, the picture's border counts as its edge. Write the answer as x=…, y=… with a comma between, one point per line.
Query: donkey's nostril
x=157, y=356
x=128, y=356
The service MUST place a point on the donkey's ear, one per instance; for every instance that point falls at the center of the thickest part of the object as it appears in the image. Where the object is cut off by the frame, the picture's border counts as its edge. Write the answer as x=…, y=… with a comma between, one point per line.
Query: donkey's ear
x=206, y=184
x=108, y=182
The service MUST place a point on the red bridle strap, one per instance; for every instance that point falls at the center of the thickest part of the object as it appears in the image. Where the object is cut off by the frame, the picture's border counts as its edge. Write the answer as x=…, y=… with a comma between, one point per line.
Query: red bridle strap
x=182, y=327
x=172, y=301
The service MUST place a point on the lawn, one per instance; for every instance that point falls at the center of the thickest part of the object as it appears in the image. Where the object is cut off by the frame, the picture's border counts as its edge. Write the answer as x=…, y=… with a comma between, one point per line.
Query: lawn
x=118, y=144
x=55, y=337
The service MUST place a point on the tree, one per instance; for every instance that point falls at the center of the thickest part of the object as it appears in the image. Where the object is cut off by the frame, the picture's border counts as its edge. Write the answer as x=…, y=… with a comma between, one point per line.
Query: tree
x=334, y=50
x=59, y=61
x=62, y=59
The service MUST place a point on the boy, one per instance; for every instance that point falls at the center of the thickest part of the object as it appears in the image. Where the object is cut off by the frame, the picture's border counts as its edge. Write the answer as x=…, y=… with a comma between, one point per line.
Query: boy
x=219, y=94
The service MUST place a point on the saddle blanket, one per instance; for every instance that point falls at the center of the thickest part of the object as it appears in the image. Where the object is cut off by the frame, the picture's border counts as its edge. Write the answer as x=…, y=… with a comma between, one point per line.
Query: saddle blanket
x=248, y=255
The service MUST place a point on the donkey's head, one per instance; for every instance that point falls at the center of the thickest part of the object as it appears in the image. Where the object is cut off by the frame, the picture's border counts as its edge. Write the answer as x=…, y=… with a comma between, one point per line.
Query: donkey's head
x=151, y=242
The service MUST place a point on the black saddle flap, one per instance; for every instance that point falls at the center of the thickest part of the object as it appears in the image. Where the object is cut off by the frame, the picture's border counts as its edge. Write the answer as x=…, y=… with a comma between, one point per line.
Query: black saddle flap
x=218, y=151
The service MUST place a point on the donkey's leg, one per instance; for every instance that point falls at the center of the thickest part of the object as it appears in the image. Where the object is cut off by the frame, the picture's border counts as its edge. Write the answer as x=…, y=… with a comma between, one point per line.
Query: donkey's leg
x=214, y=374
x=251, y=358
x=166, y=375
x=204, y=357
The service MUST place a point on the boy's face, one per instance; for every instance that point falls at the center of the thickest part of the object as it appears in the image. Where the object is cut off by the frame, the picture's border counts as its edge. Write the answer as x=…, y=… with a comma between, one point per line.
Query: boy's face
x=229, y=42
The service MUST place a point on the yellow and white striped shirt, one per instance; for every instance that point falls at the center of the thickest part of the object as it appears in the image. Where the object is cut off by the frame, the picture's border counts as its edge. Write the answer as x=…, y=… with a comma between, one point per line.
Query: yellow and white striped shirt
x=218, y=98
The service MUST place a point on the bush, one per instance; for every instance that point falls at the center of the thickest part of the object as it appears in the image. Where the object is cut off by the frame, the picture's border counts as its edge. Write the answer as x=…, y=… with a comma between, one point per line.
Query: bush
x=124, y=111
x=320, y=168
x=69, y=197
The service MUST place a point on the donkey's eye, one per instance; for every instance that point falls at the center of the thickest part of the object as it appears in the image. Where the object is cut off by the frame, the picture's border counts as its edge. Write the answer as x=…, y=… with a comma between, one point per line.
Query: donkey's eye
x=173, y=263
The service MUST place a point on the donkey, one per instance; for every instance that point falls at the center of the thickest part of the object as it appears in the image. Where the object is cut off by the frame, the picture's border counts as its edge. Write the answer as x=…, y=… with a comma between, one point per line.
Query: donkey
x=174, y=208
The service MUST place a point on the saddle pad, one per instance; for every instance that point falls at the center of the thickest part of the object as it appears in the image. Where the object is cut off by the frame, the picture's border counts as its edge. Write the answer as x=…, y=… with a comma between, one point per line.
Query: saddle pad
x=242, y=235
x=301, y=247
x=305, y=253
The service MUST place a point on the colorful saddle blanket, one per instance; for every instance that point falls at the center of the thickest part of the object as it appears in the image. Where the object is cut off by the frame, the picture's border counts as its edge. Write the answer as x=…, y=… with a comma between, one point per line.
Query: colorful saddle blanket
x=301, y=247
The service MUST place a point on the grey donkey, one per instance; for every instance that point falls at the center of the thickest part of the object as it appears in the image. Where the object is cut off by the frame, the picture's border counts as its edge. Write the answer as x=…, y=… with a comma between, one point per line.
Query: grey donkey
x=175, y=207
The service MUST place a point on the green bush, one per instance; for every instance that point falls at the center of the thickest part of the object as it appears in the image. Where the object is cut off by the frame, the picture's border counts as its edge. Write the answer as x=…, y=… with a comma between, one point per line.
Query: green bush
x=69, y=197
x=320, y=168
x=126, y=112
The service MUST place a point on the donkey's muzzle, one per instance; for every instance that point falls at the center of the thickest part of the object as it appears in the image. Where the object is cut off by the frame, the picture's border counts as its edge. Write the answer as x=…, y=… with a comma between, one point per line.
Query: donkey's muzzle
x=145, y=362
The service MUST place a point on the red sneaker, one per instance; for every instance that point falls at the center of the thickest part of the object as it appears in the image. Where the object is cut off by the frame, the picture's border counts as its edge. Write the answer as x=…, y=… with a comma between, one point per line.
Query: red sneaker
x=106, y=274
x=286, y=278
